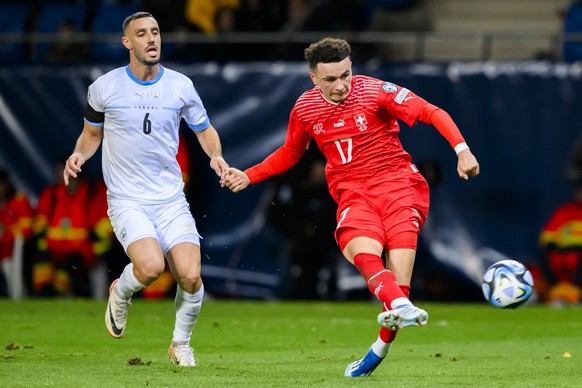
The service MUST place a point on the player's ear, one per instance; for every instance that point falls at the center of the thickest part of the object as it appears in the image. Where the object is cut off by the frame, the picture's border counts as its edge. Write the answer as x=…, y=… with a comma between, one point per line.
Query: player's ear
x=313, y=77
x=126, y=42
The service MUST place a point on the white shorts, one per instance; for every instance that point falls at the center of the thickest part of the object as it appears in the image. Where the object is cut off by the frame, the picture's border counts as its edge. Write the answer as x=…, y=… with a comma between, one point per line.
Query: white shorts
x=170, y=223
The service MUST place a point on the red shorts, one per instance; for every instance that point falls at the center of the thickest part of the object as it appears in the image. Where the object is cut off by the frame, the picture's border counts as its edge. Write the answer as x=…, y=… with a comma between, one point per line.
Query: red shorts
x=391, y=213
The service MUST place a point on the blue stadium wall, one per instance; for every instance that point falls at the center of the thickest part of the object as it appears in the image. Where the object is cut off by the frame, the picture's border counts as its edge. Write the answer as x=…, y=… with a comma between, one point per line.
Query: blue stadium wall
x=520, y=119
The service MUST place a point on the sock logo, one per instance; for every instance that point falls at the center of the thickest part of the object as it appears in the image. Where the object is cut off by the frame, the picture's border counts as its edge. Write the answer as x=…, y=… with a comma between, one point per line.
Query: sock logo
x=378, y=289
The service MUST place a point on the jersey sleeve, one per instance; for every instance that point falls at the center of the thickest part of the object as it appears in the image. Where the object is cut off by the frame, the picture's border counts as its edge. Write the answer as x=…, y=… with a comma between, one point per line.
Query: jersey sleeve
x=283, y=158
x=193, y=112
x=442, y=121
x=95, y=108
x=400, y=102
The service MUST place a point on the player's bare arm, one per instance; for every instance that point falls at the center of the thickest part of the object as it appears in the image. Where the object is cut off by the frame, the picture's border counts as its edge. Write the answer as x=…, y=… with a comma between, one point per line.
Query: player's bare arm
x=467, y=165
x=210, y=142
x=87, y=144
x=235, y=180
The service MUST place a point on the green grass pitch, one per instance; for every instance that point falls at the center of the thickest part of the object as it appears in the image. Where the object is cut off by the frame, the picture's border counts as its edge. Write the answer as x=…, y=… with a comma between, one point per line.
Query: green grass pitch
x=64, y=343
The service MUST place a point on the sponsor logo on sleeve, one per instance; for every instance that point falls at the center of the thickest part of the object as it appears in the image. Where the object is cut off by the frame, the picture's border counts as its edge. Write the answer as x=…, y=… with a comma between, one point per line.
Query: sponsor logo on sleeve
x=402, y=96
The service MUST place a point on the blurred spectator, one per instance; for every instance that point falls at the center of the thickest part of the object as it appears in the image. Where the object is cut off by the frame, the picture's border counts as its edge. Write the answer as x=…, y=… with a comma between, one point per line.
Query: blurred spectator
x=66, y=50
x=15, y=221
x=561, y=251
x=260, y=15
x=300, y=16
x=201, y=14
x=62, y=228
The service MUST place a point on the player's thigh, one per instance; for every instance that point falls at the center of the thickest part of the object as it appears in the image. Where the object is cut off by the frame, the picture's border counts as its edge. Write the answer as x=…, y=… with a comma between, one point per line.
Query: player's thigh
x=359, y=229
x=175, y=225
x=184, y=262
x=405, y=209
x=147, y=257
x=136, y=232
x=361, y=244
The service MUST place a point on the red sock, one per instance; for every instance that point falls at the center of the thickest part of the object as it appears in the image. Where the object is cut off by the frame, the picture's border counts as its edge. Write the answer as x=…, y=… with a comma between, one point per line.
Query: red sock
x=390, y=335
x=381, y=282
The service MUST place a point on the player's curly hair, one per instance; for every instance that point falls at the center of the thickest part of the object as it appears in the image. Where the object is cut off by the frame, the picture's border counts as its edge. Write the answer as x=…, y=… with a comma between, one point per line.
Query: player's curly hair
x=134, y=16
x=327, y=50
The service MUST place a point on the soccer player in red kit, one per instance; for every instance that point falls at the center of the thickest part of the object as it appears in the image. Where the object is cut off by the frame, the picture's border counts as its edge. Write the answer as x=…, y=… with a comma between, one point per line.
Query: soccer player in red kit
x=382, y=198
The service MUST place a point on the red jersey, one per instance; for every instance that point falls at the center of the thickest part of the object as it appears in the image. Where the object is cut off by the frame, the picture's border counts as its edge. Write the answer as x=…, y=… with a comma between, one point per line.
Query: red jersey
x=564, y=228
x=15, y=221
x=562, y=239
x=65, y=218
x=359, y=136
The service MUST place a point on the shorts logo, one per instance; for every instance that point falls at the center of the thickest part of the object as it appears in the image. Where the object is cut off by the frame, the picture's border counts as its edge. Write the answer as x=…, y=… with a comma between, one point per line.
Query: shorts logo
x=361, y=122
x=342, y=217
x=389, y=87
x=123, y=234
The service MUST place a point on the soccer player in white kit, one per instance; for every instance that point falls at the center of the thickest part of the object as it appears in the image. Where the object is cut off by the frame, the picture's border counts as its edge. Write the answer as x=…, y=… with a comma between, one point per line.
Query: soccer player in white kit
x=136, y=112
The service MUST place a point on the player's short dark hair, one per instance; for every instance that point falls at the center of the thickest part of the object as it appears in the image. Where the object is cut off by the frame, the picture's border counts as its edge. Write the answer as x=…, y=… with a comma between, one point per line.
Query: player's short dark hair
x=134, y=16
x=327, y=50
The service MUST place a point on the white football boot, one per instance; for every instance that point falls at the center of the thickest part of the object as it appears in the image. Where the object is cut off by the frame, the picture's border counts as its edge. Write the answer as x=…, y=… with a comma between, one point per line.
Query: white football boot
x=116, y=313
x=403, y=316
x=181, y=355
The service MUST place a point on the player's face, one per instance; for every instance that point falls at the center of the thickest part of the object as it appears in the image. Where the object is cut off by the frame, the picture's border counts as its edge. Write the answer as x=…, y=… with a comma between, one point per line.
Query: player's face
x=334, y=79
x=142, y=38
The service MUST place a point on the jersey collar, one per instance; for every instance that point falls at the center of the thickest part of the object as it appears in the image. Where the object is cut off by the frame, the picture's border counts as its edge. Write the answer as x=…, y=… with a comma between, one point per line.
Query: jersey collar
x=150, y=82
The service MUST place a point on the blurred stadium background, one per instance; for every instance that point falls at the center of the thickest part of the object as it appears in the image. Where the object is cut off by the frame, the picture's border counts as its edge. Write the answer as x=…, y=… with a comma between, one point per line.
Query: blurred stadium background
x=506, y=71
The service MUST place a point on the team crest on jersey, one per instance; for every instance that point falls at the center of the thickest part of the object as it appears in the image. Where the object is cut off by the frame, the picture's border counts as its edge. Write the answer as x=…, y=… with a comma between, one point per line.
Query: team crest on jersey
x=156, y=96
x=361, y=122
x=389, y=87
x=318, y=129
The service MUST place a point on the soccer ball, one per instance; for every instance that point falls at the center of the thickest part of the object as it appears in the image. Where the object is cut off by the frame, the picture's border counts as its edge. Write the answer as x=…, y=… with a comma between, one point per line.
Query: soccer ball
x=507, y=284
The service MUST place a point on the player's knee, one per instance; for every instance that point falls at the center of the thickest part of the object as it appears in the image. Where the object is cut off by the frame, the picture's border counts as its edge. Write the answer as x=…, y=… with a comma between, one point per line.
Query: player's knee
x=150, y=271
x=189, y=281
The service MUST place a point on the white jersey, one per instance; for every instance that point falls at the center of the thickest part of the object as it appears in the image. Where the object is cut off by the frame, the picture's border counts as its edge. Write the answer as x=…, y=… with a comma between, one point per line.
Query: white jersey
x=140, y=133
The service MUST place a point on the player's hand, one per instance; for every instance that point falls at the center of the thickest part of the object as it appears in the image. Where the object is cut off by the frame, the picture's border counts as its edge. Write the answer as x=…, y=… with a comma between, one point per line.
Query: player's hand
x=73, y=166
x=467, y=165
x=219, y=165
x=236, y=180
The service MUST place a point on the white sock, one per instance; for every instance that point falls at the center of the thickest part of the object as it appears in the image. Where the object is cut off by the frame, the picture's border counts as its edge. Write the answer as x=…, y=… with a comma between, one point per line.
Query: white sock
x=187, y=310
x=128, y=283
x=381, y=348
x=400, y=302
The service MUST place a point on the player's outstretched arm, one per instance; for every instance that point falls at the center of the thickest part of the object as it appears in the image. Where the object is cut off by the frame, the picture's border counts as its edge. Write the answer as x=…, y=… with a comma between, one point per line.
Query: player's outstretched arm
x=236, y=180
x=87, y=144
x=210, y=142
x=467, y=165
